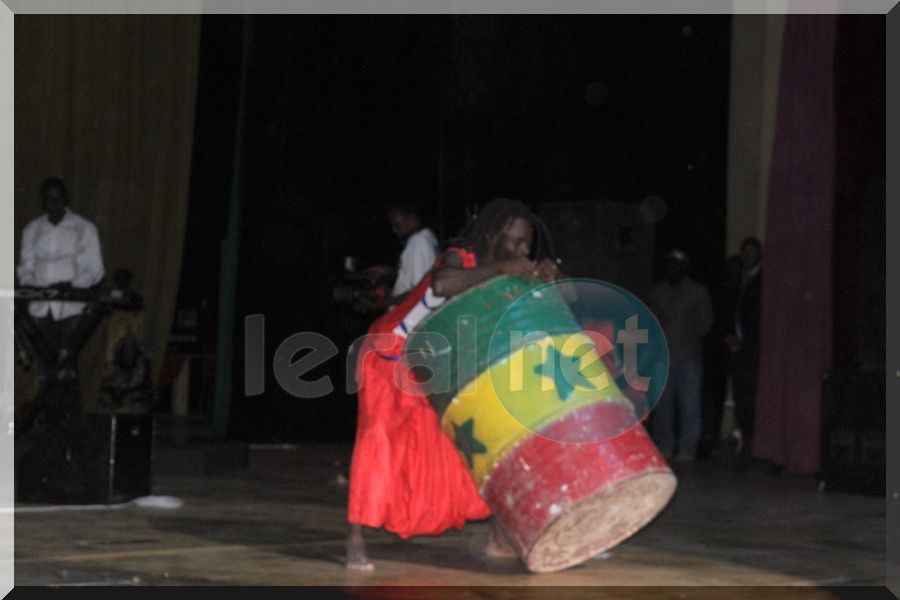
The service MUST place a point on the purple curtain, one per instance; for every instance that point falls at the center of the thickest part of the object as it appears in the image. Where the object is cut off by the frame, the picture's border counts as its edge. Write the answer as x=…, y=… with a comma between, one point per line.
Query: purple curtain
x=796, y=329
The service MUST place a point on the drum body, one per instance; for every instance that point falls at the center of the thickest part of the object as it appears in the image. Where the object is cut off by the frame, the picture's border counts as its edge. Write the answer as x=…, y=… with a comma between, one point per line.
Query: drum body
x=552, y=443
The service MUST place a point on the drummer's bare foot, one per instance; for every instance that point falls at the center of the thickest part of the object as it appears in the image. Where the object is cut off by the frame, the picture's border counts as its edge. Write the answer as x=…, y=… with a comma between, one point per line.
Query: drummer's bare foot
x=498, y=545
x=356, y=551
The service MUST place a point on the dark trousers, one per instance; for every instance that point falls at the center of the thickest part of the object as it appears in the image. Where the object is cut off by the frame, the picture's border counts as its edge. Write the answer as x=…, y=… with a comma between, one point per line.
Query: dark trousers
x=57, y=345
x=744, y=374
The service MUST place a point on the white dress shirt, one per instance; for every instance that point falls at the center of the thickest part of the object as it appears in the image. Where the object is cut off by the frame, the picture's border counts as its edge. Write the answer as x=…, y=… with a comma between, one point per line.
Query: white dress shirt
x=68, y=251
x=417, y=258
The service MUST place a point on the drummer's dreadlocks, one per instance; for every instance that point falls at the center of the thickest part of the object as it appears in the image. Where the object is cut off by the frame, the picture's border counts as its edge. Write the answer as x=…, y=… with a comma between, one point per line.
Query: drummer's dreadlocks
x=494, y=217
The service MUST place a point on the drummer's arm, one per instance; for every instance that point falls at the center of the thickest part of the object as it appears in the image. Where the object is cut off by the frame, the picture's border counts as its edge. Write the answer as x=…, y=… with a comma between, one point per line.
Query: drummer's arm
x=451, y=278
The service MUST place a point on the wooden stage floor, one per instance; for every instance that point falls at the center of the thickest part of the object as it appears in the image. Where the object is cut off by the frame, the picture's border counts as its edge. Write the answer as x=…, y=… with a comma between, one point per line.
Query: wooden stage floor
x=281, y=522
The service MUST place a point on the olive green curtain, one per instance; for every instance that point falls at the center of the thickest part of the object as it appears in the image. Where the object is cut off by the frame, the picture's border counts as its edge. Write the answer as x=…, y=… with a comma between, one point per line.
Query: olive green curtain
x=106, y=102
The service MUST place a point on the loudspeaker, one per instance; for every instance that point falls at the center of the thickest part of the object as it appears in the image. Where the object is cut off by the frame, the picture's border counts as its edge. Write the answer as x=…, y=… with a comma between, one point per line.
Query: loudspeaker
x=603, y=240
x=93, y=458
x=120, y=467
x=853, y=431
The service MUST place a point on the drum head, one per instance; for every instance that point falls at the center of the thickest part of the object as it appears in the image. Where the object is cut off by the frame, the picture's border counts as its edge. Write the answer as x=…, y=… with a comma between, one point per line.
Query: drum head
x=598, y=523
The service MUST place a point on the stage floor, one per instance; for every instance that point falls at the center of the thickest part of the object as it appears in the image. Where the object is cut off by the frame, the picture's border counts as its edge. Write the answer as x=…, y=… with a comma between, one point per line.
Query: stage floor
x=282, y=522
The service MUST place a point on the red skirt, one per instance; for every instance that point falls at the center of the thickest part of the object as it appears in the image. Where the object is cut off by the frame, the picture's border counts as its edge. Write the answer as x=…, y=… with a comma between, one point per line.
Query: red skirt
x=406, y=474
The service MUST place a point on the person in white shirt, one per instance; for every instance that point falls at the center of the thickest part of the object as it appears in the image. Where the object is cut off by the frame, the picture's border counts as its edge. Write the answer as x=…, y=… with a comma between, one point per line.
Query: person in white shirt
x=418, y=256
x=59, y=249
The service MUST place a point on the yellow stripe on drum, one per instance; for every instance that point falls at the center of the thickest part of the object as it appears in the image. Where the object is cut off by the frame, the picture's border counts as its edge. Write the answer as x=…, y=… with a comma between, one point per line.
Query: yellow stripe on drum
x=541, y=382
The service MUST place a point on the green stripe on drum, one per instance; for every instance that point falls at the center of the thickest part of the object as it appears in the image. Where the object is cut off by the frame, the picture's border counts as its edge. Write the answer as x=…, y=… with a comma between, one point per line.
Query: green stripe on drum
x=479, y=328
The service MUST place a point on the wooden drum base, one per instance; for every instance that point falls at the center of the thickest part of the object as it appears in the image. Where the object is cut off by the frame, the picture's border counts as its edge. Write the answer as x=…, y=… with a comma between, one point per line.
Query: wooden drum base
x=560, y=502
x=600, y=522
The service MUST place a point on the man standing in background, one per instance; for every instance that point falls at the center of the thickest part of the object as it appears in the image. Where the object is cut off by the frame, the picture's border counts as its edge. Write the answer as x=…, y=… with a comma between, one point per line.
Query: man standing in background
x=743, y=342
x=60, y=249
x=685, y=312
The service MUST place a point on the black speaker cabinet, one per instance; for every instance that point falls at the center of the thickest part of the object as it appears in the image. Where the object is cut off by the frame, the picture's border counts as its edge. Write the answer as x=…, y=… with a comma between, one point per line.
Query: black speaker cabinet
x=605, y=240
x=96, y=458
x=853, y=431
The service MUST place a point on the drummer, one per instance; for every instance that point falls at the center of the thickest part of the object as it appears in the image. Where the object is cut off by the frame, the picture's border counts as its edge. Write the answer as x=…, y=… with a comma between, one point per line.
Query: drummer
x=406, y=474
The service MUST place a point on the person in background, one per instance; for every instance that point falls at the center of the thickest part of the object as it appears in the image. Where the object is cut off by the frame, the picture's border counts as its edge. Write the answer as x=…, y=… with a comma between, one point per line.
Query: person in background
x=743, y=343
x=419, y=253
x=126, y=385
x=59, y=249
x=718, y=428
x=685, y=312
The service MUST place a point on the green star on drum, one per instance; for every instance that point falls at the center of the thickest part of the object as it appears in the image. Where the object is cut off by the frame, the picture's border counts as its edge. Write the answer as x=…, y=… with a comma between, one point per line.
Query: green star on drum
x=553, y=367
x=466, y=442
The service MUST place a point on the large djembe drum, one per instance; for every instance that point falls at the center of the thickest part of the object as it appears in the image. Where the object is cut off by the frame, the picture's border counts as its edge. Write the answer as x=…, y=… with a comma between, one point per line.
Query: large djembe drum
x=554, y=446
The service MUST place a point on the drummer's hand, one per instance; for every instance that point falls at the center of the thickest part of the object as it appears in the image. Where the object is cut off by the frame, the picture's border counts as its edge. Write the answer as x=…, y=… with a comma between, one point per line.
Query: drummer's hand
x=517, y=266
x=548, y=270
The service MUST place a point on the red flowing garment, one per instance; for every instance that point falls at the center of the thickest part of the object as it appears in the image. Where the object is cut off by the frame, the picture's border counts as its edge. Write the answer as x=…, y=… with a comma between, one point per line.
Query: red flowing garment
x=406, y=475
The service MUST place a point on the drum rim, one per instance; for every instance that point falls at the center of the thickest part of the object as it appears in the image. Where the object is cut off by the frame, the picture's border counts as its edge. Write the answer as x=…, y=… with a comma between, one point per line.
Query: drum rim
x=662, y=473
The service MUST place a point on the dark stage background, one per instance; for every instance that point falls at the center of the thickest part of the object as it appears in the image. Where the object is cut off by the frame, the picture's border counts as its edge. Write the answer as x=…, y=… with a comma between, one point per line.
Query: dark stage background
x=345, y=114
x=232, y=162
